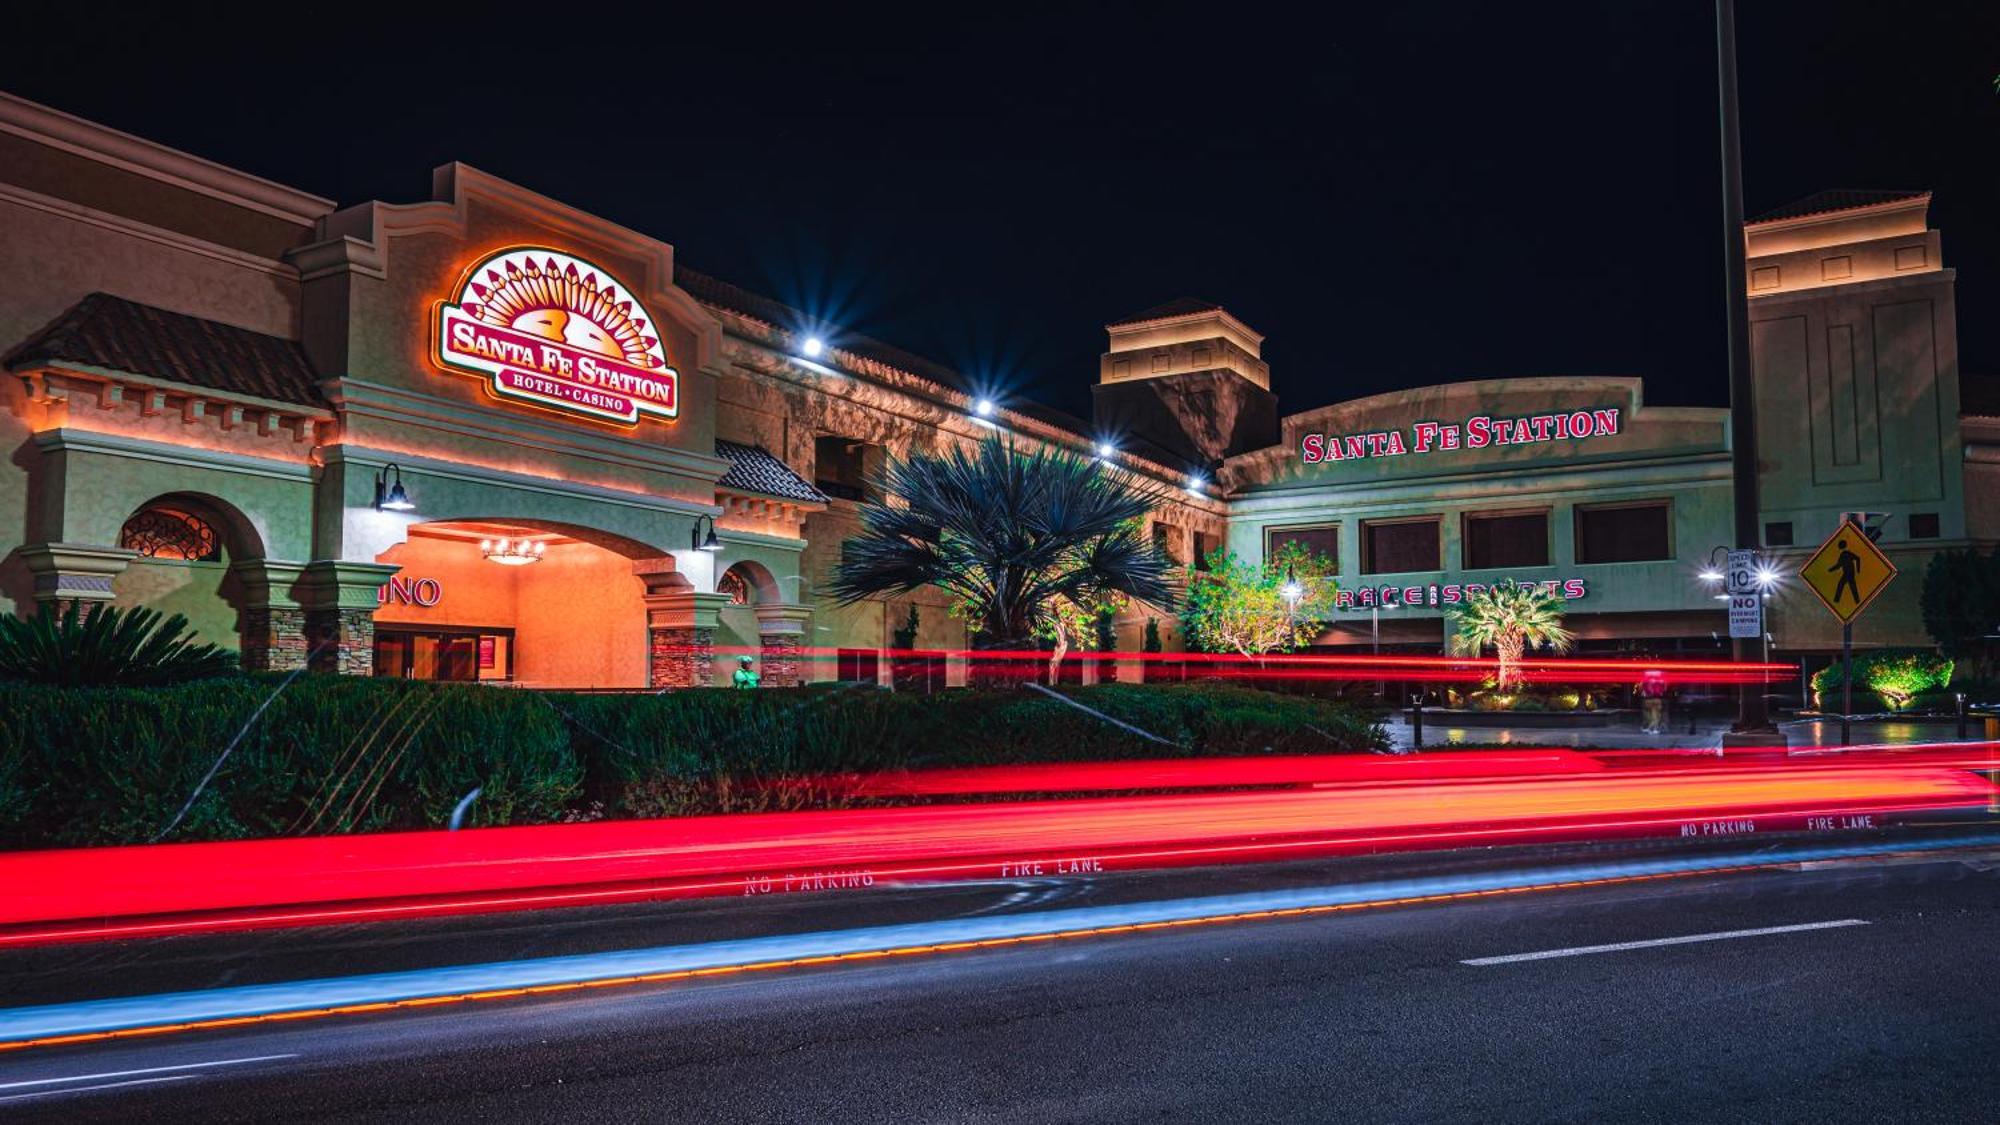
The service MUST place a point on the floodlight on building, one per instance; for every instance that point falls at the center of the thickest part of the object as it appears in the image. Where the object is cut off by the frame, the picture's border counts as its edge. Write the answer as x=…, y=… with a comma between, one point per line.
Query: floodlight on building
x=1711, y=576
x=813, y=347
x=1766, y=577
x=1106, y=451
x=1195, y=481
x=392, y=497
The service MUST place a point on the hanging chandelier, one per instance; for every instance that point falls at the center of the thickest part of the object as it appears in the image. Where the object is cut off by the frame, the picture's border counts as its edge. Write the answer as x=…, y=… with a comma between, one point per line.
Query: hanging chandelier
x=512, y=552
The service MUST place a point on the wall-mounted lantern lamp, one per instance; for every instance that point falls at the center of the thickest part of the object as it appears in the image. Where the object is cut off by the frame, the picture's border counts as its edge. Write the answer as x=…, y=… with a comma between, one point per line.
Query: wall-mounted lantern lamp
x=710, y=543
x=392, y=497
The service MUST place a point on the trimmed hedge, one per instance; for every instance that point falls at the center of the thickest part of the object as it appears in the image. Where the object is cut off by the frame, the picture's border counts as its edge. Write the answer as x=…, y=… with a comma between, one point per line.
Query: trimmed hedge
x=340, y=754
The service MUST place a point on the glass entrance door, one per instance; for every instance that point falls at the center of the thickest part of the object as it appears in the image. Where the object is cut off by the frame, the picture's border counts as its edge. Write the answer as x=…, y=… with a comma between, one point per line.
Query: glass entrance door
x=463, y=655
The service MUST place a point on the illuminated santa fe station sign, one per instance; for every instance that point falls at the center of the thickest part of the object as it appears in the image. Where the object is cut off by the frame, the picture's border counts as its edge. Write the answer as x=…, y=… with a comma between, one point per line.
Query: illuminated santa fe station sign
x=549, y=329
x=1477, y=432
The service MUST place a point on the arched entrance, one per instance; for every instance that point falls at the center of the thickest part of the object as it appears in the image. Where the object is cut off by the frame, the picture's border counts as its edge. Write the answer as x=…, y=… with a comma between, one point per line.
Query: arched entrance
x=756, y=621
x=533, y=603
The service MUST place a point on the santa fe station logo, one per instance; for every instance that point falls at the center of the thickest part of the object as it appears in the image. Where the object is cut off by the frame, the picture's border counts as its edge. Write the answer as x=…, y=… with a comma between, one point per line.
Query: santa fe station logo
x=544, y=327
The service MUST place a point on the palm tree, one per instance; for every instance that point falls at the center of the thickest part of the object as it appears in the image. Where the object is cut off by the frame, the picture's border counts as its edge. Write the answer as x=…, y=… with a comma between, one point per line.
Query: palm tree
x=1010, y=535
x=1513, y=619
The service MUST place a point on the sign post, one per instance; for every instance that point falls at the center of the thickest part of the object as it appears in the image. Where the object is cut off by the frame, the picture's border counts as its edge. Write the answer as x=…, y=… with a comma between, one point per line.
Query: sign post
x=1847, y=573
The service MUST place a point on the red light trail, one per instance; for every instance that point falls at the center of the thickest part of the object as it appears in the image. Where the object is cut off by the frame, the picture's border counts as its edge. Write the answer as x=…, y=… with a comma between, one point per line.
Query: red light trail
x=1307, y=807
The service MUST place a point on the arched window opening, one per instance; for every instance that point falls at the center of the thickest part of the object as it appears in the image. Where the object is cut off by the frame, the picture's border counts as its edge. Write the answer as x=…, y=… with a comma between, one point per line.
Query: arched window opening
x=736, y=586
x=159, y=531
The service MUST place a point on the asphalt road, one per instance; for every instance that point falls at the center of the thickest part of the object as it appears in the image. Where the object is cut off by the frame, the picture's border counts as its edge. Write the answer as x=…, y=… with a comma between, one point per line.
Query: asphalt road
x=1357, y=1016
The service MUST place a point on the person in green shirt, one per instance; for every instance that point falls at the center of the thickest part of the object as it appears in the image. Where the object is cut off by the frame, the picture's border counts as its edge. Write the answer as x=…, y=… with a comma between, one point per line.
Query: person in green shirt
x=746, y=676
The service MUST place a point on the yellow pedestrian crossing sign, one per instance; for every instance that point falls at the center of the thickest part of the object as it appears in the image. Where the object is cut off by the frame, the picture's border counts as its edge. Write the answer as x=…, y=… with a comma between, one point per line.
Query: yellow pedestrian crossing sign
x=1848, y=571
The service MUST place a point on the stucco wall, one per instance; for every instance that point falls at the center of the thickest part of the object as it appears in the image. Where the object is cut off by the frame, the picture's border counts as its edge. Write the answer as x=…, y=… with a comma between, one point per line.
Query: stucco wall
x=195, y=590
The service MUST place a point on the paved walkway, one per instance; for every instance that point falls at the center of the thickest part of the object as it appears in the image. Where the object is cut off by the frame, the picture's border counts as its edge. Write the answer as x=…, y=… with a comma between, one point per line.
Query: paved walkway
x=1706, y=733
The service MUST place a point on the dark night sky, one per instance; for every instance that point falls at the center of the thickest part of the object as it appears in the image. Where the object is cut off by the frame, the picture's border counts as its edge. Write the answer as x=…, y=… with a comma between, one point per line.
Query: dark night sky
x=1421, y=194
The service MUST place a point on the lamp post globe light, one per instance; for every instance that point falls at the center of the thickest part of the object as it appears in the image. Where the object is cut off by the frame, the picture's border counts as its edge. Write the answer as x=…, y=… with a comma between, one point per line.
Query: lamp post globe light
x=1292, y=591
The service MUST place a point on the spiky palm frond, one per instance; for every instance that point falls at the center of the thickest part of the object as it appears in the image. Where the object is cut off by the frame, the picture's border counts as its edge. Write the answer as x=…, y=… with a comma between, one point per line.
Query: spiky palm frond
x=1006, y=532
x=131, y=647
x=1511, y=610
x=1512, y=618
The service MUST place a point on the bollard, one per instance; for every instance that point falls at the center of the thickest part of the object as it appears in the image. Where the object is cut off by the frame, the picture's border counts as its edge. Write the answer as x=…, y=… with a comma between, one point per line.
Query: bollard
x=1417, y=721
x=1963, y=718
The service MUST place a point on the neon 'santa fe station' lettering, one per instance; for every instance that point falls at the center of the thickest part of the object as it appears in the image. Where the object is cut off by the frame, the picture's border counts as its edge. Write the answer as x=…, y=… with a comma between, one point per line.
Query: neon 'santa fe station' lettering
x=1476, y=432
x=1442, y=594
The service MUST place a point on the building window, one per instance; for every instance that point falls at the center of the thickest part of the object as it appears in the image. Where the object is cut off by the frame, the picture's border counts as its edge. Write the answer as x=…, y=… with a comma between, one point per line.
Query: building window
x=732, y=584
x=1166, y=539
x=840, y=466
x=161, y=532
x=1204, y=546
x=1315, y=541
x=1399, y=546
x=1614, y=533
x=857, y=665
x=1505, y=539
x=1923, y=525
x=1778, y=534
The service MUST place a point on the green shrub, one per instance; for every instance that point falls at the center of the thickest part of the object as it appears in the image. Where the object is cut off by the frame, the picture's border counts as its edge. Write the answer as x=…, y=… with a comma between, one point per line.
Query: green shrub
x=332, y=754
x=1897, y=675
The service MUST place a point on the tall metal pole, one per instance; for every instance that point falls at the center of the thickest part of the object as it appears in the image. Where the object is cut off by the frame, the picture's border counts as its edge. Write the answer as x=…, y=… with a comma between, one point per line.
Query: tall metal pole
x=1750, y=713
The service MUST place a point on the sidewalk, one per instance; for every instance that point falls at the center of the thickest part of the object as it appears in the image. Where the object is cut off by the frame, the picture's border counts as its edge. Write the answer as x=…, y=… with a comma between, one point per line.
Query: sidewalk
x=1707, y=734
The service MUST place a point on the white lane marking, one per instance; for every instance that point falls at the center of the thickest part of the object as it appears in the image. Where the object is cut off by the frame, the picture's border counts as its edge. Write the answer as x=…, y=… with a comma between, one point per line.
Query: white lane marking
x=144, y=1070
x=1688, y=939
x=104, y=1086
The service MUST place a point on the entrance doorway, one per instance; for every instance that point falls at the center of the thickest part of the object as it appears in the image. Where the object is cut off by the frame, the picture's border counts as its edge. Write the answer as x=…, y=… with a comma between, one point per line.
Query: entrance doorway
x=461, y=655
x=534, y=605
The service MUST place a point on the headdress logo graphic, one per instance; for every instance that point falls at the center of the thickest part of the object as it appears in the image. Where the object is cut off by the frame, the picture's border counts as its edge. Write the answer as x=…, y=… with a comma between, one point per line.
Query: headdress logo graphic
x=551, y=329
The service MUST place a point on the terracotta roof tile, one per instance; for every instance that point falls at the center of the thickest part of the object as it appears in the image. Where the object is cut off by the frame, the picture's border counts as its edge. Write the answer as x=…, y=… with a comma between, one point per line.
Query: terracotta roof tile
x=1179, y=306
x=125, y=336
x=752, y=468
x=1839, y=199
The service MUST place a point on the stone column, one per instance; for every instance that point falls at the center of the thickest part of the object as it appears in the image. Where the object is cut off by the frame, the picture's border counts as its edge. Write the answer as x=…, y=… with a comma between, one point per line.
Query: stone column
x=781, y=629
x=273, y=622
x=680, y=626
x=74, y=572
x=339, y=598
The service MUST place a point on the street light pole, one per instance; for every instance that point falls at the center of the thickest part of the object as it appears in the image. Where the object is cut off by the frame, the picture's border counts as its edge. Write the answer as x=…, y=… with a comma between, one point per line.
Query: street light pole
x=1750, y=711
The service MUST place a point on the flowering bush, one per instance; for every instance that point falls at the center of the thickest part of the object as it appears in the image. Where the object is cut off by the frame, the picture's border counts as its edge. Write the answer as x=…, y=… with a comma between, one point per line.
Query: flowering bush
x=1897, y=675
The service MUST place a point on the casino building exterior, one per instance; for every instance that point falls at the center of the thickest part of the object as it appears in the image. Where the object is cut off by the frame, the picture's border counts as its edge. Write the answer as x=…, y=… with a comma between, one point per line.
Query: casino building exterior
x=487, y=436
